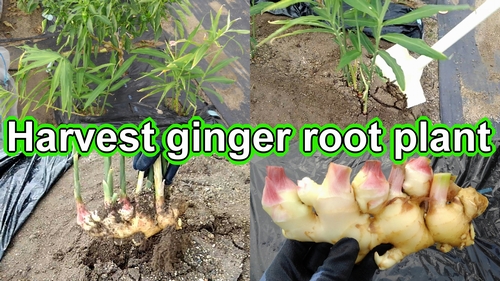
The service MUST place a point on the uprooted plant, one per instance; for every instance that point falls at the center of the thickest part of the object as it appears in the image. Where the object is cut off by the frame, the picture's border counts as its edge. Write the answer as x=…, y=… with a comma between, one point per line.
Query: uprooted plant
x=122, y=217
x=412, y=210
x=347, y=27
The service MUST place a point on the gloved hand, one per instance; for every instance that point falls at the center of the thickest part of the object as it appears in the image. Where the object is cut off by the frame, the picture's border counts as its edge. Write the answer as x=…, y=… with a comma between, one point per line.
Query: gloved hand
x=142, y=162
x=322, y=262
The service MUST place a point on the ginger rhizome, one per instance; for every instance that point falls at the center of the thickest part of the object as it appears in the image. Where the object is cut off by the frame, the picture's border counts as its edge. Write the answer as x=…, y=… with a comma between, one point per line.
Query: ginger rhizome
x=413, y=209
x=123, y=218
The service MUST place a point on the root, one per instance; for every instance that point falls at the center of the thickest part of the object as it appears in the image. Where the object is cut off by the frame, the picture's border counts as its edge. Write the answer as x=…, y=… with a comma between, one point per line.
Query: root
x=127, y=223
x=145, y=217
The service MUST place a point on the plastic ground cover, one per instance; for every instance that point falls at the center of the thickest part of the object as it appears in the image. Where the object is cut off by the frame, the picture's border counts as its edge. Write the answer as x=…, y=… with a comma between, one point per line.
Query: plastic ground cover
x=480, y=261
x=468, y=77
x=23, y=182
x=127, y=106
x=414, y=29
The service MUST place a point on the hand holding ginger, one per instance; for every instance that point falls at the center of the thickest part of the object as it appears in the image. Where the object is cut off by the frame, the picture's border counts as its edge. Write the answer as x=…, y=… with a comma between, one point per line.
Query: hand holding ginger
x=412, y=210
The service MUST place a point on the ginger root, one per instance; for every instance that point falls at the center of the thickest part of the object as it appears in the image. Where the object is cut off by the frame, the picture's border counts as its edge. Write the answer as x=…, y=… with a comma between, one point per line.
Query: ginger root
x=412, y=210
x=122, y=219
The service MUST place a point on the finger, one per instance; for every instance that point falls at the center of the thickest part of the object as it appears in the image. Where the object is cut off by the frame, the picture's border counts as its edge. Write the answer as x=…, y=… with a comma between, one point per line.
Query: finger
x=365, y=269
x=170, y=173
x=339, y=263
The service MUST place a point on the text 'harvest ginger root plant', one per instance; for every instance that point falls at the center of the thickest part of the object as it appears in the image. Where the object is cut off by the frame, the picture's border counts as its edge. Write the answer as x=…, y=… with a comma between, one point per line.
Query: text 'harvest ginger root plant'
x=412, y=210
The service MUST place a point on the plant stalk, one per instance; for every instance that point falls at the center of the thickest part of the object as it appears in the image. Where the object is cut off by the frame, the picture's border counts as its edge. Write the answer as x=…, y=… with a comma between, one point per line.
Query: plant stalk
x=140, y=181
x=123, y=180
x=158, y=181
x=439, y=189
x=366, y=89
x=76, y=178
x=107, y=183
x=150, y=179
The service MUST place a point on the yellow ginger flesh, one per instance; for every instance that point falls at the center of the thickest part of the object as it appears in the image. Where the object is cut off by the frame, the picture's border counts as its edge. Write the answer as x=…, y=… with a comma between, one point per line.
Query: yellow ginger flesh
x=412, y=210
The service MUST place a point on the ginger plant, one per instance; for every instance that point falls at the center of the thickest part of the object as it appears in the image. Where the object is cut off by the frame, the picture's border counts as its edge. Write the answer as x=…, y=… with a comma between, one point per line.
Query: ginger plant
x=347, y=26
x=122, y=218
x=413, y=209
x=78, y=82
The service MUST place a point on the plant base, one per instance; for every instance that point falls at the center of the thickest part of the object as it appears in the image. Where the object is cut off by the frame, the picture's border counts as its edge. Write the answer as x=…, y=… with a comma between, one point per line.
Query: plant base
x=131, y=220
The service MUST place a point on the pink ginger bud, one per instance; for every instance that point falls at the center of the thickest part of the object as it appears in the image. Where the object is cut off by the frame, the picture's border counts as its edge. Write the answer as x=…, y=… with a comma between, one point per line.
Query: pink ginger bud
x=276, y=184
x=418, y=177
x=337, y=180
x=335, y=185
x=126, y=210
x=396, y=179
x=371, y=188
x=281, y=202
x=82, y=215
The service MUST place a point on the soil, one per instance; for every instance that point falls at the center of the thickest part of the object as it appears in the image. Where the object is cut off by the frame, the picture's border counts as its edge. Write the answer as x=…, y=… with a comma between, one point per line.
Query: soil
x=213, y=243
x=17, y=24
x=294, y=80
x=487, y=47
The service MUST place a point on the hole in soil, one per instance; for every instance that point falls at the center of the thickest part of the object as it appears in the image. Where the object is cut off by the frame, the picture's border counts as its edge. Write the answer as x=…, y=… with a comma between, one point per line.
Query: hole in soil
x=222, y=226
x=102, y=251
x=208, y=228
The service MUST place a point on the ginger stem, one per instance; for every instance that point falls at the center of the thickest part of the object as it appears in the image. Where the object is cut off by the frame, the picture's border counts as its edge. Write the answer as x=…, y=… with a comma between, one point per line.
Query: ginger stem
x=370, y=187
x=337, y=180
x=439, y=188
x=158, y=182
x=418, y=177
x=140, y=180
x=76, y=178
x=149, y=180
x=277, y=183
x=107, y=183
x=123, y=181
x=396, y=179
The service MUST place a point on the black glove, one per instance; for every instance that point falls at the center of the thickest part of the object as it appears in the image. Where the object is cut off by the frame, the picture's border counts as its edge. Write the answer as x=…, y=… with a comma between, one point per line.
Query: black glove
x=322, y=262
x=142, y=162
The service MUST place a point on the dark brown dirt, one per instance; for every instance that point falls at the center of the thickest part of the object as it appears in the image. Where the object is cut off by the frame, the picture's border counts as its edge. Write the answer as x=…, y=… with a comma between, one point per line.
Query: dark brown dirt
x=17, y=24
x=294, y=80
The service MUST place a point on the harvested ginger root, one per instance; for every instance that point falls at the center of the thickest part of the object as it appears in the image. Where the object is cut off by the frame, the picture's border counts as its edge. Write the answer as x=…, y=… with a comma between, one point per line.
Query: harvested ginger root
x=122, y=219
x=412, y=210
